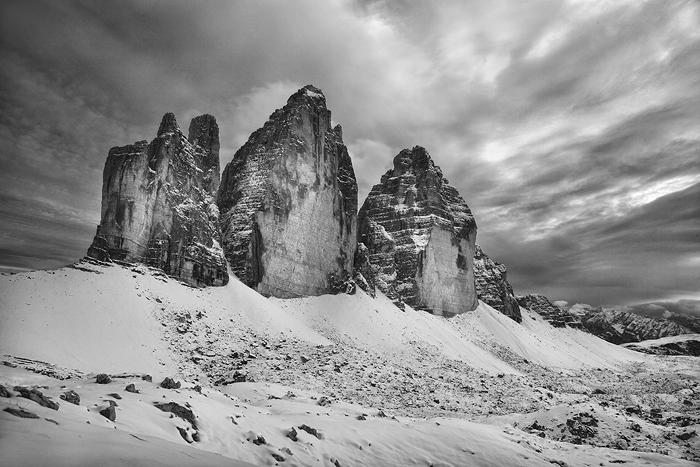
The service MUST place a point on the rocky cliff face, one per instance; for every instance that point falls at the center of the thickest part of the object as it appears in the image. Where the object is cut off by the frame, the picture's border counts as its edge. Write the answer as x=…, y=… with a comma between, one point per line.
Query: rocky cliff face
x=553, y=314
x=620, y=327
x=420, y=236
x=492, y=286
x=288, y=203
x=158, y=203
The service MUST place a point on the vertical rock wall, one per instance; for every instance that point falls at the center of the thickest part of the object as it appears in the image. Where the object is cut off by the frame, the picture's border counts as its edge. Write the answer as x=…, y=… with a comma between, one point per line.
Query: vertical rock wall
x=420, y=236
x=288, y=203
x=492, y=286
x=158, y=203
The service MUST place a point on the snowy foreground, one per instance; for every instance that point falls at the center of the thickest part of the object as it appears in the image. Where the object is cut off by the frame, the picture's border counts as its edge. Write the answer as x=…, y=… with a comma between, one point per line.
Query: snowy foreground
x=370, y=384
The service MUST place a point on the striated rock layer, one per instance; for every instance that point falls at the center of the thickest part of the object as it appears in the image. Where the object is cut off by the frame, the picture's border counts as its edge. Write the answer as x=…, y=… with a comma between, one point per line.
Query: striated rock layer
x=420, y=236
x=551, y=313
x=288, y=203
x=492, y=286
x=158, y=203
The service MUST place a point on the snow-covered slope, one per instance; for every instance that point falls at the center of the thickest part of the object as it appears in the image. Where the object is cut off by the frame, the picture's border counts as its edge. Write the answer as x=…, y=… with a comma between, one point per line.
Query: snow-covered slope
x=251, y=422
x=114, y=318
x=341, y=356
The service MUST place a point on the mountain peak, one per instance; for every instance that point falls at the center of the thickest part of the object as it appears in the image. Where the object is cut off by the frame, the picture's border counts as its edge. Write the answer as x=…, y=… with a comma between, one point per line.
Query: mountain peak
x=306, y=94
x=168, y=124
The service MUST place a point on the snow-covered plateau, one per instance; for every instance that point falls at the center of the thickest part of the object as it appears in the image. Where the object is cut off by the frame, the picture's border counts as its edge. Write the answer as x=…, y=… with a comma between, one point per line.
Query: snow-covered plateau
x=334, y=380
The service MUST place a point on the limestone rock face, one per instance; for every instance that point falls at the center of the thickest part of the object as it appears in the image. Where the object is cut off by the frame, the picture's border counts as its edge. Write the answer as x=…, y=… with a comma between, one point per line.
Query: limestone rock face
x=492, y=286
x=288, y=203
x=551, y=313
x=420, y=236
x=158, y=203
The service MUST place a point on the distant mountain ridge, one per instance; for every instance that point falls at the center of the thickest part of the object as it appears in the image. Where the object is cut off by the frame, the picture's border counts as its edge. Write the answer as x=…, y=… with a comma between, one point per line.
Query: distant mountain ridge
x=621, y=327
x=683, y=344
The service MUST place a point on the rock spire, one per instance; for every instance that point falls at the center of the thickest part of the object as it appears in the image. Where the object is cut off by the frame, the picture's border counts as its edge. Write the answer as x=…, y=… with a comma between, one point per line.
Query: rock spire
x=288, y=203
x=158, y=203
x=420, y=236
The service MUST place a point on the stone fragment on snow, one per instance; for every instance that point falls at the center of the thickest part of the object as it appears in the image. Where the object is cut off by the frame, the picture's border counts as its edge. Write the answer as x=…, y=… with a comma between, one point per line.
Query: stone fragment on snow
x=179, y=411
x=169, y=383
x=71, y=396
x=37, y=396
x=21, y=413
x=109, y=412
x=103, y=378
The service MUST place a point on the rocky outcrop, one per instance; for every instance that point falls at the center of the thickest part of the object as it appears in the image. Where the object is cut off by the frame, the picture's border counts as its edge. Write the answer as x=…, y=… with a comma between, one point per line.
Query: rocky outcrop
x=288, y=203
x=551, y=313
x=492, y=286
x=420, y=236
x=620, y=327
x=158, y=203
x=364, y=275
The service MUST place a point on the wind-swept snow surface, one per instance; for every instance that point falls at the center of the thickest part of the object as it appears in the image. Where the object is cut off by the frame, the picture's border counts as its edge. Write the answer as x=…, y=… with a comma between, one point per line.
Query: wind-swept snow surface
x=380, y=386
x=253, y=422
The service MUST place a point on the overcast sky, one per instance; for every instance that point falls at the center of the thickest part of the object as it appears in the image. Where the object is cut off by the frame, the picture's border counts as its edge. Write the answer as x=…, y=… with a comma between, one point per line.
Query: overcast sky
x=571, y=128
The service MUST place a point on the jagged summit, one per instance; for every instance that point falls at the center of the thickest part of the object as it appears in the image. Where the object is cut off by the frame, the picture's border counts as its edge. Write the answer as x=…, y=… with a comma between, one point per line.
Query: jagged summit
x=158, y=203
x=308, y=91
x=492, y=286
x=420, y=236
x=288, y=203
x=168, y=124
x=204, y=133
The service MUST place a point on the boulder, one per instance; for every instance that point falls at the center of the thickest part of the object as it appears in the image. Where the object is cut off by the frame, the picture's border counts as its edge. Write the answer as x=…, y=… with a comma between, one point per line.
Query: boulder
x=103, y=378
x=109, y=412
x=37, y=396
x=179, y=411
x=71, y=397
x=169, y=383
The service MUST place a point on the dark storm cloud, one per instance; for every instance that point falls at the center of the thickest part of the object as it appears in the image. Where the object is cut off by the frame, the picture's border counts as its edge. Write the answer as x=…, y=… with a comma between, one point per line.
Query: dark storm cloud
x=563, y=124
x=652, y=251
